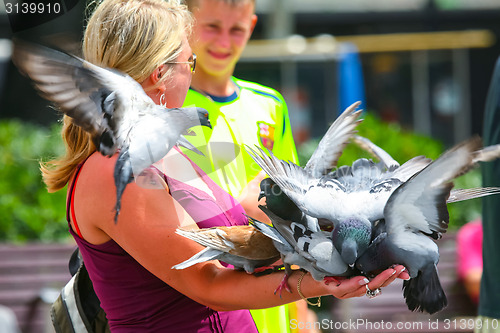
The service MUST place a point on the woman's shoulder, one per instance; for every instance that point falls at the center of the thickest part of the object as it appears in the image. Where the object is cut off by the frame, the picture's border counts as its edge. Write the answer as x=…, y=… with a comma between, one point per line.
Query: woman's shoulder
x=95, y=182
x=99, y=161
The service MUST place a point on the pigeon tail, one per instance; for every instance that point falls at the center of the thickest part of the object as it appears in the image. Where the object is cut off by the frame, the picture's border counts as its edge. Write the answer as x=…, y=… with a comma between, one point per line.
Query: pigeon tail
x=424, y=293
x=123, y=176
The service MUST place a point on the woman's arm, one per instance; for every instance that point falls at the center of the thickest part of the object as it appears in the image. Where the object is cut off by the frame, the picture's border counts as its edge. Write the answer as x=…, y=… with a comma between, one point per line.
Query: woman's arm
x=146, y=230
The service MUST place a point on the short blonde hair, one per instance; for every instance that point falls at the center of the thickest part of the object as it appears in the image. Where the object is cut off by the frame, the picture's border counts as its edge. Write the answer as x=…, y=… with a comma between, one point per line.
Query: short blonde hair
x=192, y=4
x=133, y=36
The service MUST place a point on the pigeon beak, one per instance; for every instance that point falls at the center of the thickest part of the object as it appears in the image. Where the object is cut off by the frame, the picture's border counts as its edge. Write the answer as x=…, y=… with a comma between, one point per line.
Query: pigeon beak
x=209, y=125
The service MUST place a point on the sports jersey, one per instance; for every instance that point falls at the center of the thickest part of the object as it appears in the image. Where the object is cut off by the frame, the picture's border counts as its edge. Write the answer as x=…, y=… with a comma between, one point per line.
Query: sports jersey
x=253, y=115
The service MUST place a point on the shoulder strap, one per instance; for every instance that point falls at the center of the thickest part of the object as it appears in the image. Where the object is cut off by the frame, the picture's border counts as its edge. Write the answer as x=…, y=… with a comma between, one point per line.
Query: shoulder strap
x=75, y=261
x=70, y=208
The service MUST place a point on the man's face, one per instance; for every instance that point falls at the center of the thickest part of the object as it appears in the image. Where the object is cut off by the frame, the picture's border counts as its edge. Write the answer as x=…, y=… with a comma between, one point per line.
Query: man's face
x=220, y=34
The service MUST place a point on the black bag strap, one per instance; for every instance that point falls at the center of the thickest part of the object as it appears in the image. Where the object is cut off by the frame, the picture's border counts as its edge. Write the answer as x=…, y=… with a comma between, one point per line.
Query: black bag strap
x=75, y=261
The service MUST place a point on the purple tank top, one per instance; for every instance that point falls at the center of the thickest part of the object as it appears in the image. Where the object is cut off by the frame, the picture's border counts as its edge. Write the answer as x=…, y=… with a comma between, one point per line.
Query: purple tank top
x=136, y=301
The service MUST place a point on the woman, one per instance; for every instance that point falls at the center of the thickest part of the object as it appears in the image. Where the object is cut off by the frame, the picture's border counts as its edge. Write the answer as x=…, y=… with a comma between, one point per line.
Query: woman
x=130, y=262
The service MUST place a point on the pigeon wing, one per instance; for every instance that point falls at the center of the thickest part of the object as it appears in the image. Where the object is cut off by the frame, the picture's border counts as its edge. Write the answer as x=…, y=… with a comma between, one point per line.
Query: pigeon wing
x=291, y=178
x=420, y=203
x=376, y=151
x=89, y=94
x=462, y=194
x=152, y=137
x=329, y=149
x=487, y=154
x=408, y=169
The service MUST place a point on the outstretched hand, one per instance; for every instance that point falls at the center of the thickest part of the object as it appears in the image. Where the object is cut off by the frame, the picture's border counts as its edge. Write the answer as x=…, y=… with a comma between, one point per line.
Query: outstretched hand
x=248, y=198
x=357, y=286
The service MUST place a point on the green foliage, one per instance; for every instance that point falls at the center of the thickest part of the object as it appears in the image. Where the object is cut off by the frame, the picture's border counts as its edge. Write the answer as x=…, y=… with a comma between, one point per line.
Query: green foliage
x=27, y=211
x=403, y=145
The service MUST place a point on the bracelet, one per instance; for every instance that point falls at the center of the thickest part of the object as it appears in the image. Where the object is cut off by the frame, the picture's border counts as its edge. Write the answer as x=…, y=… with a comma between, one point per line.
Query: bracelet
x=318, y=302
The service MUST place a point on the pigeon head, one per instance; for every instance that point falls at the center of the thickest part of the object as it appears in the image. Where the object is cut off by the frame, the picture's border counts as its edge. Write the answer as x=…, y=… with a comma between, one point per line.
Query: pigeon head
x=189, y=117
x=351, y=237
x=278, y=202
x=268, y=188
x=203, y=117
x=375, y=258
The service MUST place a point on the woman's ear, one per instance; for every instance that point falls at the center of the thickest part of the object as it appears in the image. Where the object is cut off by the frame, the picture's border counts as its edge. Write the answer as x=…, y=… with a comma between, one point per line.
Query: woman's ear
x=155, y=78
x=253, y=23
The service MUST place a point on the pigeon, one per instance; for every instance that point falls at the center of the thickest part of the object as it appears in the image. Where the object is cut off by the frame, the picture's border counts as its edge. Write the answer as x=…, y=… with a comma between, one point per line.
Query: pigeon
x=111, y=106
x=254, y=248
x=414, y=215
x=242, y=246
x=298, y=237
x=309, y=248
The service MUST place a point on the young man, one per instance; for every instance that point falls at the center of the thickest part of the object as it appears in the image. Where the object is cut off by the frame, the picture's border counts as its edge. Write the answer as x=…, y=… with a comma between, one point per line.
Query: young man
x=241, y=113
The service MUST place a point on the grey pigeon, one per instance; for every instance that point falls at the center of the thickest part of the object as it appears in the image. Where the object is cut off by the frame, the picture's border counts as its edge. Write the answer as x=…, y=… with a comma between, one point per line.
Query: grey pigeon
x=311, y=249
x=322, y=161
x=111, y=106
x=416, y=213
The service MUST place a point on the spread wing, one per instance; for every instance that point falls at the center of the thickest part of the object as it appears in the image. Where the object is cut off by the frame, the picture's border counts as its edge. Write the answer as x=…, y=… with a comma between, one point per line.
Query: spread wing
x=329, y=149
x=420, y=203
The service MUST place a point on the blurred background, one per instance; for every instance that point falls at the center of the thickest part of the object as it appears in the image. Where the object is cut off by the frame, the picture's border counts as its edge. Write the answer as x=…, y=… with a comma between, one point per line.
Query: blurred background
x=421, y=68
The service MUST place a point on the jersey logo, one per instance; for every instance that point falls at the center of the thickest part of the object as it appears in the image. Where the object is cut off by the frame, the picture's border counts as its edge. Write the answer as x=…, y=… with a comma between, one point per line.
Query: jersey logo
x=266, y=135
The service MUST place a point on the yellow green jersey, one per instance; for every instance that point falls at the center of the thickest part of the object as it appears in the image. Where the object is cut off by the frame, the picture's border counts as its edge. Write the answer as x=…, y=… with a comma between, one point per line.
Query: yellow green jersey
x=253, y=115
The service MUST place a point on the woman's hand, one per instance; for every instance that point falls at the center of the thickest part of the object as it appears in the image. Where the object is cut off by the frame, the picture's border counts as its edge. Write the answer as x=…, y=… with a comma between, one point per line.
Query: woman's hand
x=248, y=198
x=357, y=286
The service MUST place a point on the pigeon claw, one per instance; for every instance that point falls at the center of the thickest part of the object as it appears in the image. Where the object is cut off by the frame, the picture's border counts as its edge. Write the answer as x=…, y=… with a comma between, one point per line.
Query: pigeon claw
x=330, y=279
x=265, y=270
x=283, y=285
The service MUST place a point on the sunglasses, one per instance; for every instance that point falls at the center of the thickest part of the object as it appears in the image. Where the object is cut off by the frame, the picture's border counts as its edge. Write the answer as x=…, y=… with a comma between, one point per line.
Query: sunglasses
x=191, y=61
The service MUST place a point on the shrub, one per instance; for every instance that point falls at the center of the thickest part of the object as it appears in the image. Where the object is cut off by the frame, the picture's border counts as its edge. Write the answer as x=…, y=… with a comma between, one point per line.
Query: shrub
x=27, y=211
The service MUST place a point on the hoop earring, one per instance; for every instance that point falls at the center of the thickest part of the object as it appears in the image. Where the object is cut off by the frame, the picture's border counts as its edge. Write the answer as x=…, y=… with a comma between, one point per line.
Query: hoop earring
x=163, y=101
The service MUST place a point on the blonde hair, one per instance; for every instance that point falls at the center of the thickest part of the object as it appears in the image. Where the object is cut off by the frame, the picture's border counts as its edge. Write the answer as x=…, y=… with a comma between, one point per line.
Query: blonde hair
x=133, y=36
x=192, y=4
